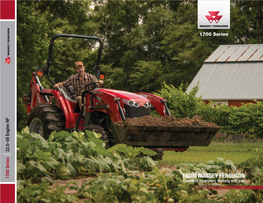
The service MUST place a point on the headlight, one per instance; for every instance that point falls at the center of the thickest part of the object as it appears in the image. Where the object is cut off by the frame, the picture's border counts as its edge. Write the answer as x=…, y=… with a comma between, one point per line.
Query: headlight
x=147, y=104
x=135, y=104
x=131, y=103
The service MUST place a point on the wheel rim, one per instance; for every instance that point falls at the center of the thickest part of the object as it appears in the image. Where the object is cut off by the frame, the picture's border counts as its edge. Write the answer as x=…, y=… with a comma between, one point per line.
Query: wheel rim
x=36, y=126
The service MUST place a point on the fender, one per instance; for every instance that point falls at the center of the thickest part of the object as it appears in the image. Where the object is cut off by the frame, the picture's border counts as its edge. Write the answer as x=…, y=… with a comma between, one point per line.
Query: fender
x=157, y=102
x=65, y=105
x=110, y=100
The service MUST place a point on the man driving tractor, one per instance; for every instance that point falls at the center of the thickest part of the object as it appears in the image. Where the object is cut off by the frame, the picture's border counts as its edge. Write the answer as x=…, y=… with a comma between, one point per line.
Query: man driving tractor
x=79, y=82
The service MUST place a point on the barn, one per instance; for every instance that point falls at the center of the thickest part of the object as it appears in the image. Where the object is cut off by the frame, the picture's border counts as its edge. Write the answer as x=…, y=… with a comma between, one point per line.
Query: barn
x=231, y=75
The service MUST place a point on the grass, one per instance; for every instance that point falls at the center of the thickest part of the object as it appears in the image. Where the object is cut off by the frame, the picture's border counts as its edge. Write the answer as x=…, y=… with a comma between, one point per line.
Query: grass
x=236, y=152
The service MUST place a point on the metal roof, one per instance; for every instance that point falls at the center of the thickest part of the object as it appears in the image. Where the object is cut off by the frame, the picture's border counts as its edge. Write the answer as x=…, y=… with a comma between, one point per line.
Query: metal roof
x=230, y=81
x=239, y=52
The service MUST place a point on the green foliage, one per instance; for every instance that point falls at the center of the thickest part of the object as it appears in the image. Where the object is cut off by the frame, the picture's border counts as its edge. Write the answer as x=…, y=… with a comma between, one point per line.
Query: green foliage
x=124, y=184
x=254, y=169
x=246, y=21
x=131, y=151
x=38, y=21
x=246, y=119
x=180, y=103
x=28, y=192
x=147, y=76
x=135, y=155
x=254, y=173
x=155, y=186
x=66, y=154
x=219, y=114
x=240, y=196
x=220, y=165
x=132, y=186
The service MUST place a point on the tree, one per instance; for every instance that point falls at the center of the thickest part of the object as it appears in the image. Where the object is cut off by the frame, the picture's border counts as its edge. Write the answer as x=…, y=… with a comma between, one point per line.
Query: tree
x=37, y=23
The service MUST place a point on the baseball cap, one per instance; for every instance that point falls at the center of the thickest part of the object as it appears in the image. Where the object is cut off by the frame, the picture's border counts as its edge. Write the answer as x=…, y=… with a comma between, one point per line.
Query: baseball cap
x=78, y=64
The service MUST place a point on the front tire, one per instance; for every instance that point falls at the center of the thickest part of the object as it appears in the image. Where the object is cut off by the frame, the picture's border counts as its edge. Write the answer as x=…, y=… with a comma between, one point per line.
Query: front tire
x=99, y=129
x=46, y=118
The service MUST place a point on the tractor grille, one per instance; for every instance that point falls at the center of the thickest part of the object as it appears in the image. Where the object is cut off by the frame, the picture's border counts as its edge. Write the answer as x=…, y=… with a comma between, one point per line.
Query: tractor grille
x=132, y=111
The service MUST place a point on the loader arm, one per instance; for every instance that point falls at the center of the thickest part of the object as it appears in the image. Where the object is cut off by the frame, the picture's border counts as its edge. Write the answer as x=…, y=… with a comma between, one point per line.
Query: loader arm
x=115, y=109
x=35, y=89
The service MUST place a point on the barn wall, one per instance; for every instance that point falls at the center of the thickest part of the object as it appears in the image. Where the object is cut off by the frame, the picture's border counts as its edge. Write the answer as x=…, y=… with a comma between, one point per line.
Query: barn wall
x=237, y=103
x=221, y=102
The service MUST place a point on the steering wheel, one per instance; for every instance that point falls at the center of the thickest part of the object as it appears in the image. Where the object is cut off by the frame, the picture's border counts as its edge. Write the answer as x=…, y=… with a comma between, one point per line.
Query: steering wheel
x=92, y=83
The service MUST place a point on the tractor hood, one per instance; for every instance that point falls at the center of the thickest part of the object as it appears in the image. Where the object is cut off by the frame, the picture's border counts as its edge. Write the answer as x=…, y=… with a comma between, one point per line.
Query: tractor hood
x=125, y=96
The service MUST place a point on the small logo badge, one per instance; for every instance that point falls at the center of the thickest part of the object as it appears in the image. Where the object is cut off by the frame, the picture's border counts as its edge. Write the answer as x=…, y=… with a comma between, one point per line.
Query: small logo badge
x=8, y=60
x=213, y=16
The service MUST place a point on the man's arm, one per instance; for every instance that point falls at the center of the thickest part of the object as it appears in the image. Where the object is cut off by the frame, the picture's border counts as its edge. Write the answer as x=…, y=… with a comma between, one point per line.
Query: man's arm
x=101, y=83
x=58, y=84
x=65, y=83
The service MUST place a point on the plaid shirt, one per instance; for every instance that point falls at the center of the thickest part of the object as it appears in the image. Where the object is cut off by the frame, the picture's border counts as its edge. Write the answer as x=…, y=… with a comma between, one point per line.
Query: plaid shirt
x=79, y=85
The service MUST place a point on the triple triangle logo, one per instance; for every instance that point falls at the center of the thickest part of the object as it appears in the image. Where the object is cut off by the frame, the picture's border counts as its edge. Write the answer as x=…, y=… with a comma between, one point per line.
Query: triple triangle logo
x=213, y=16
x=8, y=60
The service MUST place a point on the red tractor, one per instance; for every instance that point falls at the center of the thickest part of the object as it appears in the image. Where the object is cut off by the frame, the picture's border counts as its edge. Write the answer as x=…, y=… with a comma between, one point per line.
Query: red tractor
x=105, y=107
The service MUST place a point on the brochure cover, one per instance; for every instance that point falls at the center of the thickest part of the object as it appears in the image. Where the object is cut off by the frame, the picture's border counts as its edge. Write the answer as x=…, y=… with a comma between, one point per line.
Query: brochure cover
x=131, y=101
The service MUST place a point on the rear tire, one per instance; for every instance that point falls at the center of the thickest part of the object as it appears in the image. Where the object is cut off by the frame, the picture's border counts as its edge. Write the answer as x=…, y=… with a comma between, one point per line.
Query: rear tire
x=46, y=118
x=99, y=129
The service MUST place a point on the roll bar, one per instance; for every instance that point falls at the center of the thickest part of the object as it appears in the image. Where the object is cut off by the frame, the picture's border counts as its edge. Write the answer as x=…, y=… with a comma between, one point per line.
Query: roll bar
x=47, y=65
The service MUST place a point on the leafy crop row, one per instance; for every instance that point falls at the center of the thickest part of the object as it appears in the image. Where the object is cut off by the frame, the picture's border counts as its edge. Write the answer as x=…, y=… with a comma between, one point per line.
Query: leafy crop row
x=152, y=186
x=123, y=174
x=254, y=169
x=132, y=186
x=66, y=154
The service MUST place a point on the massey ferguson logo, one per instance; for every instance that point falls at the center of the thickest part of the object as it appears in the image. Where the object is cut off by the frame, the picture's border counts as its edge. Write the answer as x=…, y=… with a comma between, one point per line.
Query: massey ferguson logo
x=213, y=16
x=8, y=60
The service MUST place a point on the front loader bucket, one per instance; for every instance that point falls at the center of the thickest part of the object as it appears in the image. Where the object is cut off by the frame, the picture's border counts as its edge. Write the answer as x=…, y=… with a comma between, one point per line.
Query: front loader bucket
x=163, y=136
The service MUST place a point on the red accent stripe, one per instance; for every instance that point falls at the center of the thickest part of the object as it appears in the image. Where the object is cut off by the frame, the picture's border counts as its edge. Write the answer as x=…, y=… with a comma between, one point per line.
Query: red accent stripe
x=7, y=9
x=169, y=149
x=247, y=187
x=7, y=193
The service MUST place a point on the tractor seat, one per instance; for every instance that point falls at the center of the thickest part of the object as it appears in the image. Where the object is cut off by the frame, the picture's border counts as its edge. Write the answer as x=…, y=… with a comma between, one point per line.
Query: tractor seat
x=67, y=94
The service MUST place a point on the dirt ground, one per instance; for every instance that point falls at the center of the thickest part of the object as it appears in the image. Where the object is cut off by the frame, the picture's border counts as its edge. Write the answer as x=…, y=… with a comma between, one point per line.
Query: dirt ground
x=78, y=179
x=167, y=121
